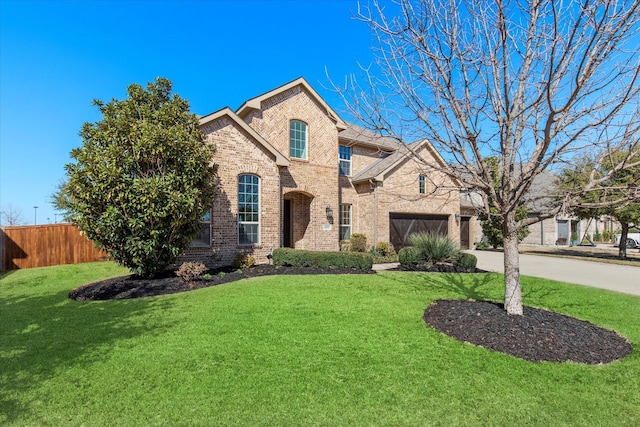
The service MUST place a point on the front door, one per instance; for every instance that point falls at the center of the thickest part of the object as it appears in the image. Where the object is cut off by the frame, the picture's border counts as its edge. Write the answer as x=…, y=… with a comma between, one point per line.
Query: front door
x=464, y=232
x=286, y=227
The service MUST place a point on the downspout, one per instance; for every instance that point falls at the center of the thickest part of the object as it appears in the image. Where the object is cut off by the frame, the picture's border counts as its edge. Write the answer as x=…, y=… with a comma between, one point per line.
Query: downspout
x=375, y=210
x=280, y=210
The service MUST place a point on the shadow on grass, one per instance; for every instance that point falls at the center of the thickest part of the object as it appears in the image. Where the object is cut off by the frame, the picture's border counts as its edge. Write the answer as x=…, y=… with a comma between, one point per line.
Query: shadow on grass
x=480, y=286
x=41, y=336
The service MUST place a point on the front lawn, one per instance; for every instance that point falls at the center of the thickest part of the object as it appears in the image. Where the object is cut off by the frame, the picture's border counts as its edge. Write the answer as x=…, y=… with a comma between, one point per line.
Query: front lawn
x=294, y=350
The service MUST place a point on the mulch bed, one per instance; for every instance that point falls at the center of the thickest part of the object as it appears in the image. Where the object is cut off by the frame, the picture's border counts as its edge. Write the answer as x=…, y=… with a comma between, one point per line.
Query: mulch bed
x=538, y=335
x=133, y=286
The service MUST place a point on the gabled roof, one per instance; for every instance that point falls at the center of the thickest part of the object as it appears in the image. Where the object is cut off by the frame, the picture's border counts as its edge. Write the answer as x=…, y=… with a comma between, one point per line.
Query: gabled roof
x=379, y=169
x=280, y=159
x=354, y=134
x=256, y=103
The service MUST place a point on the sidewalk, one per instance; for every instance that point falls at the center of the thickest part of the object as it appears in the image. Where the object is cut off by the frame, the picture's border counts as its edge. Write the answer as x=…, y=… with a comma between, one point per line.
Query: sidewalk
x=619, y=278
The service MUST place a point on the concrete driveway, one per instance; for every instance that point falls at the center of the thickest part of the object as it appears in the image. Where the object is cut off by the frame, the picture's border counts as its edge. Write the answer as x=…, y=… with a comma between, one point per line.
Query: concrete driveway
x=619, y=278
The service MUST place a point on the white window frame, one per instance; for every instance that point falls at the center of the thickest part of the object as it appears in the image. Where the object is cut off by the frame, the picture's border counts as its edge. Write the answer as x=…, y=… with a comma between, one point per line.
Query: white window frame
x=242, y=222
x=344, y=161
x=422, y=182
x=294, y=139
x=345, y=213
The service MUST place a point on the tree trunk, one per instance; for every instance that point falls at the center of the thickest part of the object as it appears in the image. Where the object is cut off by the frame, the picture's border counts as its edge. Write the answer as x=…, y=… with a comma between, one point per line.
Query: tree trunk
x=512, y=290
x=622, y=251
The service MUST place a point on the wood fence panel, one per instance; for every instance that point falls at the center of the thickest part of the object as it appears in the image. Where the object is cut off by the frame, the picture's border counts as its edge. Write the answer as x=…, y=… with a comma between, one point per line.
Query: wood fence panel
x=45, y=245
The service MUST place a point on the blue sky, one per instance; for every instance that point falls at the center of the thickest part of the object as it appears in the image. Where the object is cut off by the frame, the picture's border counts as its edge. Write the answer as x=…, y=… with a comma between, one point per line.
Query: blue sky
x=56, y=56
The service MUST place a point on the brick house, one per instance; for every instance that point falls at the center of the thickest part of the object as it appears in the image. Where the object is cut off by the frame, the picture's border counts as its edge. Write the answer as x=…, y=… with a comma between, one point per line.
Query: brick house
x=292, y=173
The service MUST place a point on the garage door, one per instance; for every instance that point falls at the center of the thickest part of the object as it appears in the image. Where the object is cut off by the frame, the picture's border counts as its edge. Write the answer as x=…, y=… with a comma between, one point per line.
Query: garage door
x=401, y=226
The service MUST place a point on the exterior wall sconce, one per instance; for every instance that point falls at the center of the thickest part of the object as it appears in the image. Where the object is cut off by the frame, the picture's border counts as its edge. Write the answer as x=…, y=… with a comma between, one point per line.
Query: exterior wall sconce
x=329, y=212
x=457, y=216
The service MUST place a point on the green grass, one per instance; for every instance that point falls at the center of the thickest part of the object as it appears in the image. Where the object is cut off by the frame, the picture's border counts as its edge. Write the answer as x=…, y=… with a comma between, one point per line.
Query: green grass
x=303, y=350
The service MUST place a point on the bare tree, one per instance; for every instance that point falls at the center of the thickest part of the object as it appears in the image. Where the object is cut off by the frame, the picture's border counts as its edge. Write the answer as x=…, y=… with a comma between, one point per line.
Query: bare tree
x=533, y=83
x=10, y=215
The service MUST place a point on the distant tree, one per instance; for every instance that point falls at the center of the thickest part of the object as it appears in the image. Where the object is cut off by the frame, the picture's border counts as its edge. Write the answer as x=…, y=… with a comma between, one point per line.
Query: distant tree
x=492, y=226
x=60, y=199
x=612, y=198
x=491, y=221
x=11, y=215
x=142, y=179
x=532, y=82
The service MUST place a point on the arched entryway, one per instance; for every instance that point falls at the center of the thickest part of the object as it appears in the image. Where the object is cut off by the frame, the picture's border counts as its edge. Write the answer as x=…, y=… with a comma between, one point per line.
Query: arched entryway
x=296, y=218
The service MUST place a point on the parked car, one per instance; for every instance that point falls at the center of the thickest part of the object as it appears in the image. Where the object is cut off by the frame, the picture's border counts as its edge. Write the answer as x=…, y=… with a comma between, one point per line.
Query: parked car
x=633, y=240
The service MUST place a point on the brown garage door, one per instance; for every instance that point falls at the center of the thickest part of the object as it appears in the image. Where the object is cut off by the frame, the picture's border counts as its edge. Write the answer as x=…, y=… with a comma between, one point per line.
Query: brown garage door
x=401, y=226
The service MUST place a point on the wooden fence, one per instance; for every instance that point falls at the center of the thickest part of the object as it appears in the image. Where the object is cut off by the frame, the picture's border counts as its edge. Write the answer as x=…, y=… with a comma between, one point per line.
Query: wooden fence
x=44, y=245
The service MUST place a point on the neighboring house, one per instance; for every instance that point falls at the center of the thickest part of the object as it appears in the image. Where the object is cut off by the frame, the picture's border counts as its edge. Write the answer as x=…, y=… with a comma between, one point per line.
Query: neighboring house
x=558, y=229
x=293, y=174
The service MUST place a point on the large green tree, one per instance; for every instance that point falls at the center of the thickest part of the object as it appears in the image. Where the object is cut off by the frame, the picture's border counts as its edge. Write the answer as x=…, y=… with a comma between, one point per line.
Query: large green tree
x=142, y=179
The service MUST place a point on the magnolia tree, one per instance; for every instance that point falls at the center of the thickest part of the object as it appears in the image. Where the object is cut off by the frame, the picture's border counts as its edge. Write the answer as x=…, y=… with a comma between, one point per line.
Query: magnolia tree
x=142, y=178
x=531, y=83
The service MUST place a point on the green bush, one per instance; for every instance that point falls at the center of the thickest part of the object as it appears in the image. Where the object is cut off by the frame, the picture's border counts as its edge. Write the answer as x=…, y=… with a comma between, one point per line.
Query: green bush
x=301, y=258
x=385, y=249
x=481, y=245
x=243, y=261
x=358, y=242
x=466, y=260
x=410, y=255
x=434, y=247
x=383, y=253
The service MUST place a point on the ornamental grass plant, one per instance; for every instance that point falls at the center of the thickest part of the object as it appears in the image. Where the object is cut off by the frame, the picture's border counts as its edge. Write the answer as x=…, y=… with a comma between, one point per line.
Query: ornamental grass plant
x=434, y=247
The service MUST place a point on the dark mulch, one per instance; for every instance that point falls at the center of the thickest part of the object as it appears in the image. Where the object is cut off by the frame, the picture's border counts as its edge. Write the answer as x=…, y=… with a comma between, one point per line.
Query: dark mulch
x=133, y=286
x=538, y=336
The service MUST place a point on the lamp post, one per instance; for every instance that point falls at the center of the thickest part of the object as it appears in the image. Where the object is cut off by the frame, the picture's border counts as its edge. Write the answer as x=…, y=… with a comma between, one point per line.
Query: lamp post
x=35, y=215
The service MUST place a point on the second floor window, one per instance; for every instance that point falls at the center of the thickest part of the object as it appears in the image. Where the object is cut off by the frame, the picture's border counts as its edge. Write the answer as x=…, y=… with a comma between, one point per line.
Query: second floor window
x=298, y=139
x=423, y=184
x=344, y=164
x=248, y=210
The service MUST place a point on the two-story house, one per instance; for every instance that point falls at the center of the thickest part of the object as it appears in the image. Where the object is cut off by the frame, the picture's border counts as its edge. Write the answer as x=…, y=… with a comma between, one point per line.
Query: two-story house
x=293, y=174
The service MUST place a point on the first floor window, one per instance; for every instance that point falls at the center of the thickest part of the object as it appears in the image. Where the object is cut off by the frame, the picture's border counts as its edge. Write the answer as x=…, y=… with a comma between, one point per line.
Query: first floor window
x=345, y=222
x=423, y=184
x=204, y=238
x=344, y=164
x=248, y=210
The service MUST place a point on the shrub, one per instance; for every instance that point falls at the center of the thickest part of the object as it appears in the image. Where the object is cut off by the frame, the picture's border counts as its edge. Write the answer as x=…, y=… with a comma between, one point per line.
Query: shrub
x=142, y=179
x=243, y=261
x=382, y=253
x=358, y=242
x=466, y=260
x=189, y=271
x=385, y=249
x=409, y=256
x=434, y=247
x=301, y=258
x=482, y=244
x=606, y=236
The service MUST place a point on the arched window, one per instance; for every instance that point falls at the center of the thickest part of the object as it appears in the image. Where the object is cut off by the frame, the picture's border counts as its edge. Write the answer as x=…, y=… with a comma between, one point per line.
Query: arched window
x=248, y=210
x=297, y=139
